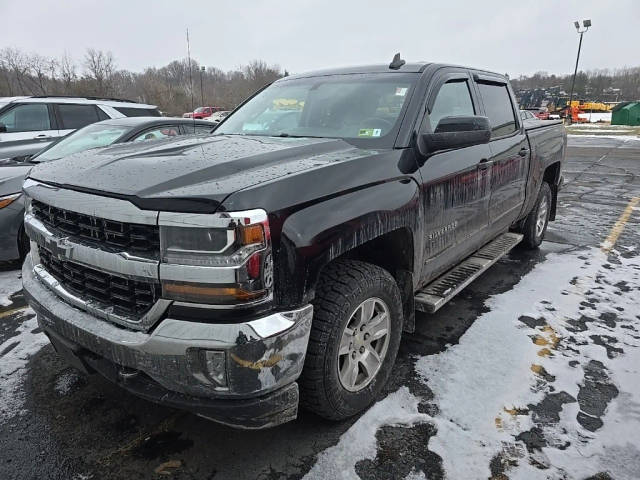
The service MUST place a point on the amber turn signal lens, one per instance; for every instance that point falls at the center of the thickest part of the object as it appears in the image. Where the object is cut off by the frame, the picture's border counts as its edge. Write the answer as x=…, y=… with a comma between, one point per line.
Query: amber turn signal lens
x=206, y=294
x=252, y=234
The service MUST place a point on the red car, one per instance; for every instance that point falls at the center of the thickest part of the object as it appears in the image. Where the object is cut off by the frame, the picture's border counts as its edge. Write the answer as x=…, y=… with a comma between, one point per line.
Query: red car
x=202, y=112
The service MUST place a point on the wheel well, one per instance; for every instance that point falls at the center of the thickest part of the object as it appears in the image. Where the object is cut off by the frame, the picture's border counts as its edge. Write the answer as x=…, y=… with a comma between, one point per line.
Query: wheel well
x=552, y=177
x=394, y=252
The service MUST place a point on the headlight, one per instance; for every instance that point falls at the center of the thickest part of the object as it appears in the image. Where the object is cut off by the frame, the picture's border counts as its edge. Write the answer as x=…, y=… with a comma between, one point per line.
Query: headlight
x=224, y=259
x=9, y=199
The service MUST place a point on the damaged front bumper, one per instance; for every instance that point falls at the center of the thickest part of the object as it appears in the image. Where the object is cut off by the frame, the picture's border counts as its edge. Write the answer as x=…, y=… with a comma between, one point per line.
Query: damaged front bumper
x=258, y=361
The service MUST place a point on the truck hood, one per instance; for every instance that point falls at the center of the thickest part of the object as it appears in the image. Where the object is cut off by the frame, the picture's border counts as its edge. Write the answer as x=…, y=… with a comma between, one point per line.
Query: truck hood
x=203, y=169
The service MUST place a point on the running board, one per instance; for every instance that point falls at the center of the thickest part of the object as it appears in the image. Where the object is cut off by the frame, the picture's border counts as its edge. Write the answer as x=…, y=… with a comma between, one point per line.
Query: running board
x=445, y=287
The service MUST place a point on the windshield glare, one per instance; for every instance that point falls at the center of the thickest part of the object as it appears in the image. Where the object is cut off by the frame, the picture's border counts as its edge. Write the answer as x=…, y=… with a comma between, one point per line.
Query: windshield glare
x=363, y=107
x=91, y=136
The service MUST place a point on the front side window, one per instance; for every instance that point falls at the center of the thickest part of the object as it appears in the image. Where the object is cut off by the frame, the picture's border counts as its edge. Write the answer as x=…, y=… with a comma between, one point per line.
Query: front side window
x=91, y=136
x=27, y=118
x=360, y=107
x=453, y=100
x=158, y=133
x=497, y=105
x=77, y=116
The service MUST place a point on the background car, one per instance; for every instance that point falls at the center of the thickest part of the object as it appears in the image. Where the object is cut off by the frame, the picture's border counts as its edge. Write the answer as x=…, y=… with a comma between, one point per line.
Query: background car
x=29, y=124
x=13, y=241
x=217, y=117
x=202, y=112
x=527, y=115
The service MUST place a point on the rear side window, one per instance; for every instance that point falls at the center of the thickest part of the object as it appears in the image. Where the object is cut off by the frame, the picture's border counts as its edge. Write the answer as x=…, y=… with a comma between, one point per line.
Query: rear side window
x=138, y=112
x=27, y=118
x=77, y=116
x=453, y=100
x=497, y=105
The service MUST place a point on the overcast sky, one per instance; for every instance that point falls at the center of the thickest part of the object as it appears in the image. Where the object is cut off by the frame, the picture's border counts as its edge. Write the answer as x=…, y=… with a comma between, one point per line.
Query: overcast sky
x=300, y=35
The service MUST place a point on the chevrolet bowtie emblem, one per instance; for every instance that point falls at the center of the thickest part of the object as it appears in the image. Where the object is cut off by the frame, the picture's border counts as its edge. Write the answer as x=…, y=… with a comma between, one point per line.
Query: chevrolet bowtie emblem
x=60, y=247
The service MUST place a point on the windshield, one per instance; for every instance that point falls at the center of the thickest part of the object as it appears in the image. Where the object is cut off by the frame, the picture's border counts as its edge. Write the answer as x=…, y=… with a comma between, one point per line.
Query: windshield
x=91, y=136
x=359, y=107
x=199, y=110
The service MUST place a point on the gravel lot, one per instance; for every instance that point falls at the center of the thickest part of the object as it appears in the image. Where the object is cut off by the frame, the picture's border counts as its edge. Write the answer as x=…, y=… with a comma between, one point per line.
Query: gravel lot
x=531, y=372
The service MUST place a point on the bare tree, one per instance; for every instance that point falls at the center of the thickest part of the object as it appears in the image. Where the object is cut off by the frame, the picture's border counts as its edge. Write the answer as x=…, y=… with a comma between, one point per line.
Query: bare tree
x=100, y=67
x=18, y=64
x=39, y=68
x=68, y=73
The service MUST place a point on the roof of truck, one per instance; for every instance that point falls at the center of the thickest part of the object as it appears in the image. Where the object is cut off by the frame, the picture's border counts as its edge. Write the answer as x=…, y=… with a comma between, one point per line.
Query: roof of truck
x=409, y=67
x=414, y=67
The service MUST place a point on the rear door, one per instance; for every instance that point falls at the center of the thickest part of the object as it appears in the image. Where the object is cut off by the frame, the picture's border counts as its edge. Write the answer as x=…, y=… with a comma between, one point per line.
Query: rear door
x=29, y=128
x=455, y=182
x=72, y=116
x=509, y=151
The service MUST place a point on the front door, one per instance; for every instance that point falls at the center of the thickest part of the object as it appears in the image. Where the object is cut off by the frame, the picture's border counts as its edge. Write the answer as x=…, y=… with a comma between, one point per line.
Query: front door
x=509, y=153
x=455, y=183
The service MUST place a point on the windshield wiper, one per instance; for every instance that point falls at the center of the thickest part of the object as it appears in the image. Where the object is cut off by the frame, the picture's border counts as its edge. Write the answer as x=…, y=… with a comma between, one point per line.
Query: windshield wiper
x=288, y=135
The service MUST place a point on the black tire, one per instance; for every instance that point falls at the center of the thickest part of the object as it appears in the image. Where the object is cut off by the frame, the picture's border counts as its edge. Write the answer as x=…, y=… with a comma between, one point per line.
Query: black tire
x=23, y=243
x=533, y=235
x=343, y=286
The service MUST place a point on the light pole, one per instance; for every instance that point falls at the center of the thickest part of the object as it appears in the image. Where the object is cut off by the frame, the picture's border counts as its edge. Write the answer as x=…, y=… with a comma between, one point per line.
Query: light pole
x=585, y=24
x=202, y=69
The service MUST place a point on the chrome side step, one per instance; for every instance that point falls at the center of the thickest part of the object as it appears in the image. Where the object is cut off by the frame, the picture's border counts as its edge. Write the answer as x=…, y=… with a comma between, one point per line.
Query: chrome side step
x=446, y=286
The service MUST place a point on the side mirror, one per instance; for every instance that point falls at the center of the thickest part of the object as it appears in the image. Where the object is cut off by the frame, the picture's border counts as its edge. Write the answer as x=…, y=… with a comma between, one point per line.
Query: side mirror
x=455, y=132
x=3, y=128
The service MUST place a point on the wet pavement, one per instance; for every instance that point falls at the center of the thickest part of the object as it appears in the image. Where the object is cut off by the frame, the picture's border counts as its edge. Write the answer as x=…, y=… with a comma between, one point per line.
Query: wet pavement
x=56, y=424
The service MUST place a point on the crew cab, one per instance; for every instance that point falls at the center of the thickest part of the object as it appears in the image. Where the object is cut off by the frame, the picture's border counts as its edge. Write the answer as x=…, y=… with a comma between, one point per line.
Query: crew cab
x=278, y=262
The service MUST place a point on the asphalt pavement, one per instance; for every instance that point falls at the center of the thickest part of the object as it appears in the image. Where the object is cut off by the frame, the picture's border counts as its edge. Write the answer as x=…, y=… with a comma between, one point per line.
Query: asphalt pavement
x=56, y=424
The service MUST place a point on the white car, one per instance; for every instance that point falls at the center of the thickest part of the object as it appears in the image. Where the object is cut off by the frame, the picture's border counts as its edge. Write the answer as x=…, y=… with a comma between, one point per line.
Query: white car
x=29, y=124
x=217, y=117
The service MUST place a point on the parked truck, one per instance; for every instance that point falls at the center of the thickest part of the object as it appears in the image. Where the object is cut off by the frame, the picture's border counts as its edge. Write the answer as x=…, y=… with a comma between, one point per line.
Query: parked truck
x=279, y=261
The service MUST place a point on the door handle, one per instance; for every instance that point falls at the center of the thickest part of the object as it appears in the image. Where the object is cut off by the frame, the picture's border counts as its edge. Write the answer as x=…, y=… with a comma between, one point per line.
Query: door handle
x=523, y=152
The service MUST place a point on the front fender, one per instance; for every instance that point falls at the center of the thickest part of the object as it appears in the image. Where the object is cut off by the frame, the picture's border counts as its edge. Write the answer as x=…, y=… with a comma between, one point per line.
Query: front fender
x=314, y=236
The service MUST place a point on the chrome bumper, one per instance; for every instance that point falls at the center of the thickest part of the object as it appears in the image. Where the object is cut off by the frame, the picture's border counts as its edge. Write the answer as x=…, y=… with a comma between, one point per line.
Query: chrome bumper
x=262, y=355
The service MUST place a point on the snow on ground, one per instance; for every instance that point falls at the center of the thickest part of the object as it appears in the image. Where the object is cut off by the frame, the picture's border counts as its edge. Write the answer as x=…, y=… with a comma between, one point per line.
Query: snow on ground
x=14, y=356
x=545, y=384
x=625, y=138
x=487, y=392
x=596, y=116
x=10, y=282
x=591, y=126
x=359, y=442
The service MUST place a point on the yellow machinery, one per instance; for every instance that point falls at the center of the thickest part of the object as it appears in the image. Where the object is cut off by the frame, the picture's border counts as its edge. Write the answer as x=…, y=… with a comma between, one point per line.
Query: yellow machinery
x=590, y=106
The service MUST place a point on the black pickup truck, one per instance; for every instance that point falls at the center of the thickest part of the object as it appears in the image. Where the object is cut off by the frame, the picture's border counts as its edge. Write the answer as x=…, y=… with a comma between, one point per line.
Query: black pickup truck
x=279, y=261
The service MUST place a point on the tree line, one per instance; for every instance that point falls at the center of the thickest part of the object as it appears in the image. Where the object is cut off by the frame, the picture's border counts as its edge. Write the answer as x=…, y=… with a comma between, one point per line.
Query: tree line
x=594, y=85
x=172, y=87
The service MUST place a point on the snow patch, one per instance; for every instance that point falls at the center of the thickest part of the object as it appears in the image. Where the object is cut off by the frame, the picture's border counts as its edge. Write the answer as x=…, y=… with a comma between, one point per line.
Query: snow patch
x=13, y=365
x=359, y=442
x=10, y=283
x=596, y=117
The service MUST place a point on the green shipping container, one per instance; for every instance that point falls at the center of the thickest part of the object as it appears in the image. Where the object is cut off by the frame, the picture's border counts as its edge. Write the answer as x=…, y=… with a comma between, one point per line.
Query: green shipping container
x=626, y=113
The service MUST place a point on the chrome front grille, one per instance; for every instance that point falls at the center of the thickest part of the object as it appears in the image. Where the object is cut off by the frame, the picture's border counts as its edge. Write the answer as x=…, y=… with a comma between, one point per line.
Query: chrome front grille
x=127, y=236
x=128, y=297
